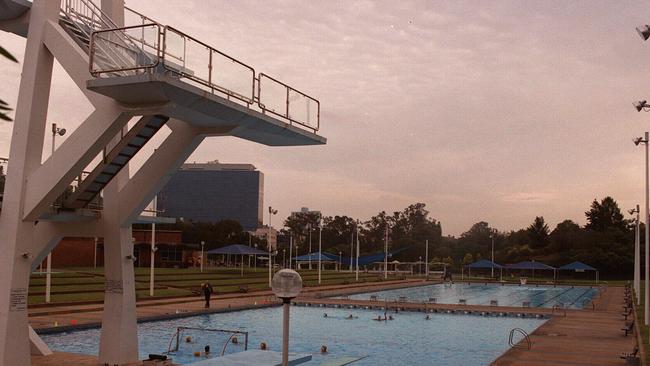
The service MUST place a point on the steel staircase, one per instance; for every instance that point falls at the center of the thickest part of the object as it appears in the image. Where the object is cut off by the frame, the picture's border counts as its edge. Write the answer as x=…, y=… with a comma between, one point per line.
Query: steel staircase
x=114, y=161
x=80, y=18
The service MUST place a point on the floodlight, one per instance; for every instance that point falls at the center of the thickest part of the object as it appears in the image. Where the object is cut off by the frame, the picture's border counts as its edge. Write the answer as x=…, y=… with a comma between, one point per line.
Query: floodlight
x=641, y=105
x=61, y=131
x=644, y=31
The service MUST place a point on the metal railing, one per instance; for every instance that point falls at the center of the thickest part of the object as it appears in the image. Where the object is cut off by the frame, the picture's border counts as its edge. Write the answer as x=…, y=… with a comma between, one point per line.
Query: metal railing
x=143, y=55
x=86, y=17
x=511, y=340
x=146, y=46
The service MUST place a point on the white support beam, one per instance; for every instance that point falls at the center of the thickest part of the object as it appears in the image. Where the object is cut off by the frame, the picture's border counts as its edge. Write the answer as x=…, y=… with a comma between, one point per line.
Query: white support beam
x=25, y=155
x=158, y=169
x=73, y=59
x=51, y=179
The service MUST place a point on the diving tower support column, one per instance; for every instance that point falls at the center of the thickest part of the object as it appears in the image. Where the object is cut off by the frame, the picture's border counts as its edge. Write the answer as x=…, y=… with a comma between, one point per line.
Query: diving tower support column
x=119, y=337
x=17, y=236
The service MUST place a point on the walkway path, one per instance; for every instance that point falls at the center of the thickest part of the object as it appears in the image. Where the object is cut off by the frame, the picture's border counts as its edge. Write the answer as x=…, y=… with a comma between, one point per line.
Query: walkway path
x=91, y=315
x=588, y=337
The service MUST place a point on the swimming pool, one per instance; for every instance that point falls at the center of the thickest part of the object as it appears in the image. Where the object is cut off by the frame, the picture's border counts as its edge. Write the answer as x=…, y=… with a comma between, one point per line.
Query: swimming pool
x=409, y=339
x=481, y=294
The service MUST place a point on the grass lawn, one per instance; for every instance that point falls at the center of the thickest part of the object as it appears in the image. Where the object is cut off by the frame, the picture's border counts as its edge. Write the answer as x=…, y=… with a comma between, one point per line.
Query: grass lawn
x=87, y=284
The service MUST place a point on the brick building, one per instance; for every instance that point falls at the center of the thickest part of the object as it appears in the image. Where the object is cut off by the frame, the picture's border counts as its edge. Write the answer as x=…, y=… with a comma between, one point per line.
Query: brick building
x=85, y=252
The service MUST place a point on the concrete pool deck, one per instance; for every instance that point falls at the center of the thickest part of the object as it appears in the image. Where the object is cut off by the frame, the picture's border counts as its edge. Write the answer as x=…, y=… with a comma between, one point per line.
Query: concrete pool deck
x=78, y=316
x=583, y=337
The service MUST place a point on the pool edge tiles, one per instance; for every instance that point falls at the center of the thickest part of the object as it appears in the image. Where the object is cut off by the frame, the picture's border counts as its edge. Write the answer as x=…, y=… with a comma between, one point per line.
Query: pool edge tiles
x=480, y=294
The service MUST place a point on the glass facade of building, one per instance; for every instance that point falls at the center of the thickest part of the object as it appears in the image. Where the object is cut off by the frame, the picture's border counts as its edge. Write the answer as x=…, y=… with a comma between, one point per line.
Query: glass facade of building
x=213, y=192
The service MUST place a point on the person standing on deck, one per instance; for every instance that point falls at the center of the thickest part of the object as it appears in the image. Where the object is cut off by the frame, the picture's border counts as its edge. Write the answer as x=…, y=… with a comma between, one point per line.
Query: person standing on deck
x=207, y=292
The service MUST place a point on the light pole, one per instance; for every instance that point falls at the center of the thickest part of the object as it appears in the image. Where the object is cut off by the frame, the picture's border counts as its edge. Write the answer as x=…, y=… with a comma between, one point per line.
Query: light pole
x=95, y=254
x=202, y=250
x=426, y=259
x=286, y=285
x=320, y=247
x=420, y=265
x=351, y=245
x=309, y=226
x=290, y=251
x=153, y=247
x=48, y=270
x=492, y=265
x=284, y=258
x=250, y=244
x=386, y=252
x=255, y=260
x=637, y=255
x=357, y=272
x=340, y=261
x=646, y=309
x=268, y=242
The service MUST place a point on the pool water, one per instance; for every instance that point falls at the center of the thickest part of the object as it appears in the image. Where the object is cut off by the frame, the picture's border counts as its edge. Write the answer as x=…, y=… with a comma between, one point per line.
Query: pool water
x=481, y=294
x=409, y=339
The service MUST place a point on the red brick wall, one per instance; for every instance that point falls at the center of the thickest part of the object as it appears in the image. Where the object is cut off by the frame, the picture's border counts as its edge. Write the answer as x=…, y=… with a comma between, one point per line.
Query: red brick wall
x=79, y=252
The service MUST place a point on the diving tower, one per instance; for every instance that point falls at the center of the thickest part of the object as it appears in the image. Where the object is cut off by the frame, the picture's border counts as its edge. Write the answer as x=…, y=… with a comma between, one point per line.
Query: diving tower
x=139, y=76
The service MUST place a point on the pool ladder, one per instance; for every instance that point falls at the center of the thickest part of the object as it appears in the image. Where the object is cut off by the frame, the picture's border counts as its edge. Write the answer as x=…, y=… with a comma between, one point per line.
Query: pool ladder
x=514, y=344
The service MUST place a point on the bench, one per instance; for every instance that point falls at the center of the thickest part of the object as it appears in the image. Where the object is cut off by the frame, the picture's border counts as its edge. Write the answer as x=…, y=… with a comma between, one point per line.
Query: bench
x=372, y=297
x=433, y=300
x=628, y=313
x=494, y=303
x=462, y=301
x=631, y=358
x=402, y=299
x=628, y=328
x=243, y=288
x=525, y=304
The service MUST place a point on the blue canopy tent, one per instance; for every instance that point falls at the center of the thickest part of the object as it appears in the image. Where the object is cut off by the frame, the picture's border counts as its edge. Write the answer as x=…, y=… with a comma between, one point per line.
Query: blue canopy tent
x=483, y=264
x=324, y=257
x=578, y=267
x=237, y=249
x=532, y=266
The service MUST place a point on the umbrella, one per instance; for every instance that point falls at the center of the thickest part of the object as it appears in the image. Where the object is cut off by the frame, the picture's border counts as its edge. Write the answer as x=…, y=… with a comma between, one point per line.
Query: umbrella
x=237, y=249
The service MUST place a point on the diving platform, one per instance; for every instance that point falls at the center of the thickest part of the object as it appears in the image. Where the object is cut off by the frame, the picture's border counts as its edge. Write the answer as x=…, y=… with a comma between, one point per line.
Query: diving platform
x=171, y=96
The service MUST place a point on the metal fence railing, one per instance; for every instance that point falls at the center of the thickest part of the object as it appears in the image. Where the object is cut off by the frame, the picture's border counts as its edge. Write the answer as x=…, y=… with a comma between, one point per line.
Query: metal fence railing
x=145, y=47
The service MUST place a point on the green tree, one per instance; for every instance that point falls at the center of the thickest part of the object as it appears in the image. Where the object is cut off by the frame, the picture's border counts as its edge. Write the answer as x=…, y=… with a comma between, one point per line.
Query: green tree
x=538, y=232
x=468, y=259
x=605, y=215
x=566, y=235
x=4, y=106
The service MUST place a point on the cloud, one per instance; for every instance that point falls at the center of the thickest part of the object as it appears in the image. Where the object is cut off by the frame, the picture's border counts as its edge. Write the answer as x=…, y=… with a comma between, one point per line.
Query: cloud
x=484, y=111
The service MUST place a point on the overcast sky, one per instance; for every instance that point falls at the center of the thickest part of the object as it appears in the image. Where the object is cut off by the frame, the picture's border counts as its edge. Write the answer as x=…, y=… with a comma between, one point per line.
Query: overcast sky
x=484, y=110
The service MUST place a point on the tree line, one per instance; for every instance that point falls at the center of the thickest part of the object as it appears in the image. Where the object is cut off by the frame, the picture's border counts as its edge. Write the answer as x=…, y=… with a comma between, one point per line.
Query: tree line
x=606, y=241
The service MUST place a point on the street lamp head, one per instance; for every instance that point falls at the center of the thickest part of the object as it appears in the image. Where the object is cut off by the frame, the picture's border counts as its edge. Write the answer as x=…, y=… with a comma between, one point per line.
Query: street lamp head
x=286, y=284
x=631, y=211
x=642, y=105
x=61, y=131
x=638, y=140
x=644, y=31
